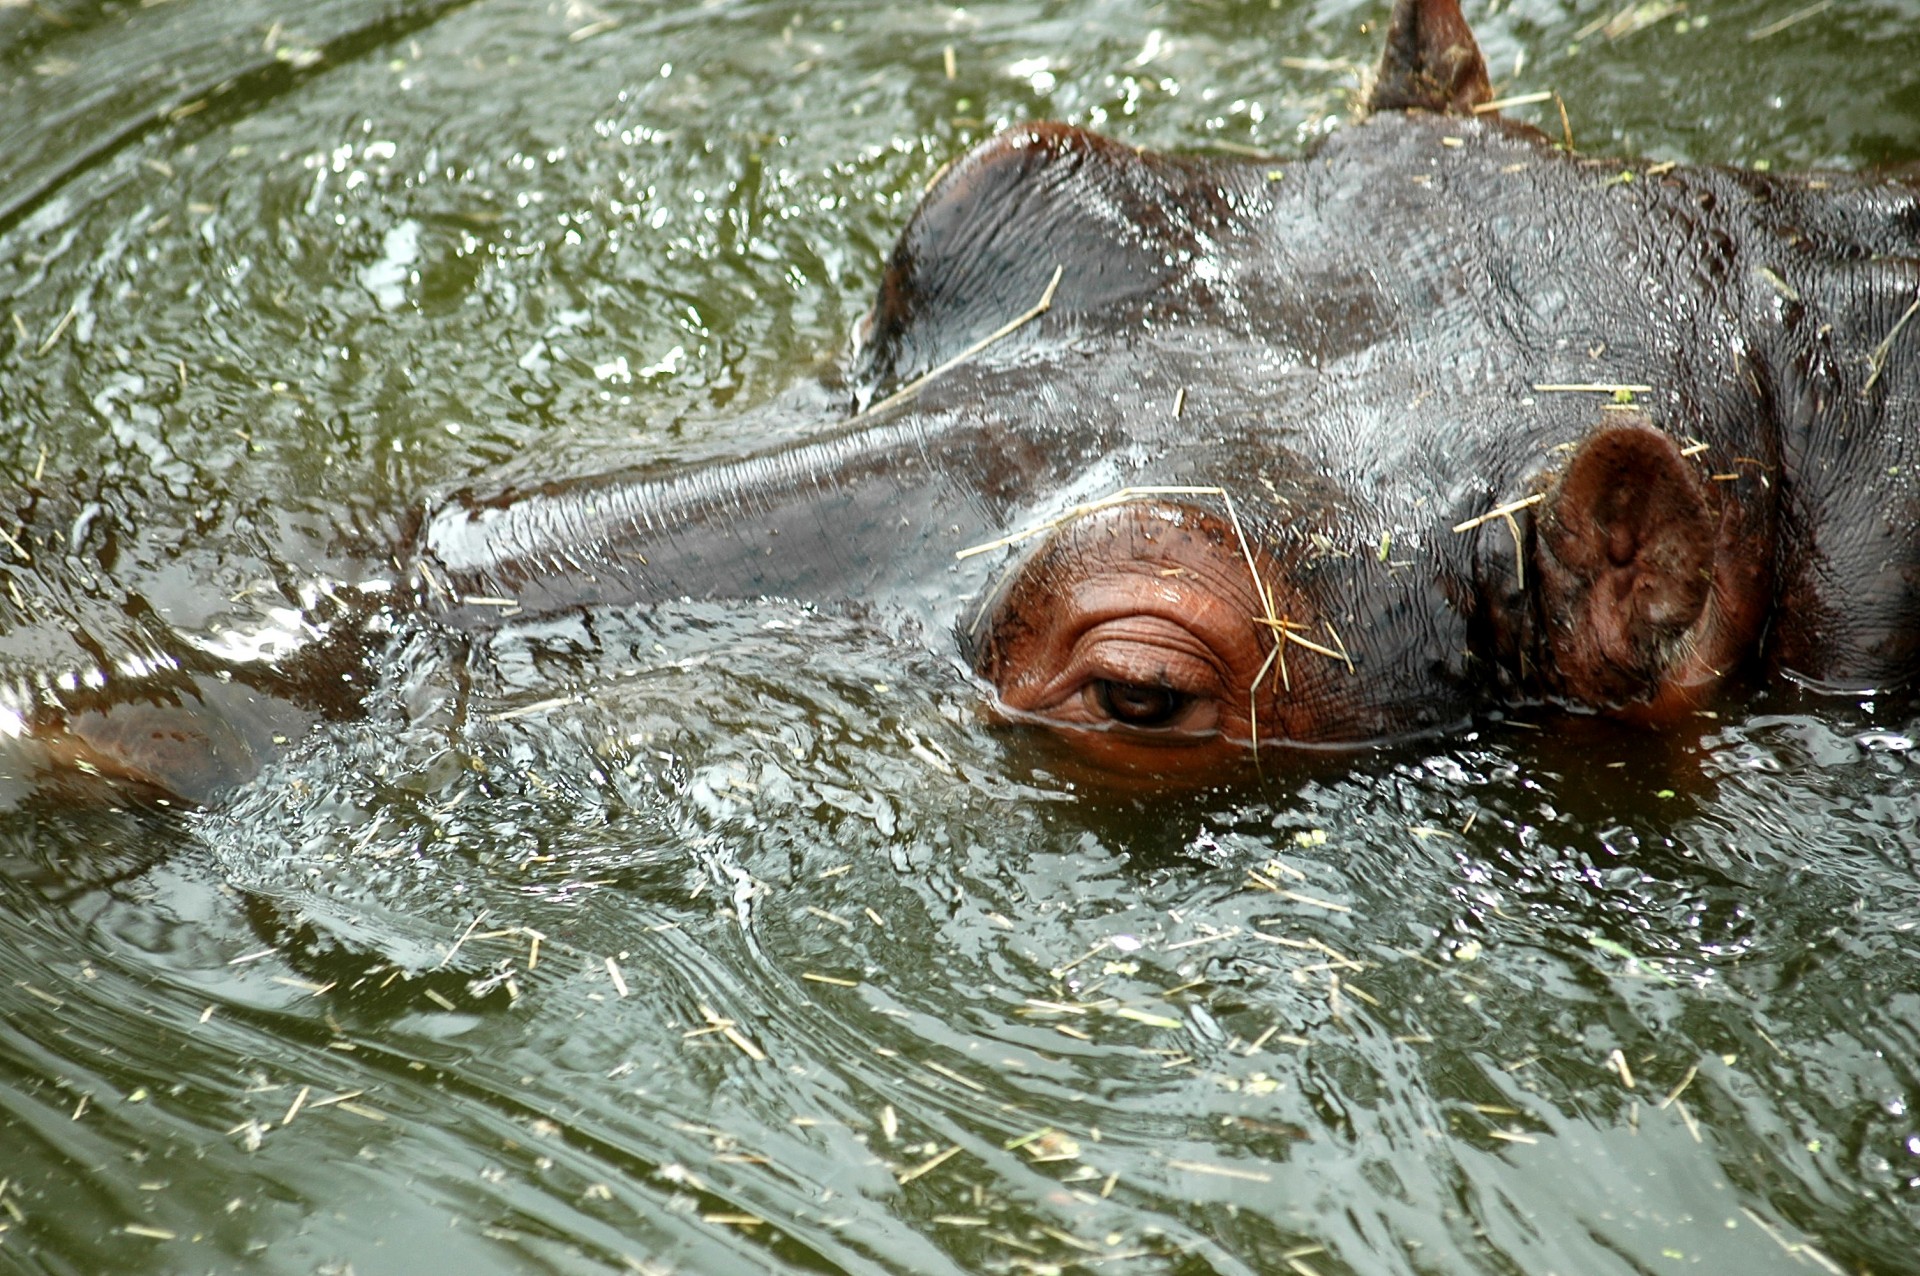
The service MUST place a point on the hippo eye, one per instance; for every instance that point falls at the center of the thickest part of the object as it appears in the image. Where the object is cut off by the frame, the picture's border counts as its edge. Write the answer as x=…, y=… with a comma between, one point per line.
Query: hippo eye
x=1134, y=705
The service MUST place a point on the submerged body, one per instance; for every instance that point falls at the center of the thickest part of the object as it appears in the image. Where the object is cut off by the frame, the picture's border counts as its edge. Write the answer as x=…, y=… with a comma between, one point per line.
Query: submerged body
x=1313, y=453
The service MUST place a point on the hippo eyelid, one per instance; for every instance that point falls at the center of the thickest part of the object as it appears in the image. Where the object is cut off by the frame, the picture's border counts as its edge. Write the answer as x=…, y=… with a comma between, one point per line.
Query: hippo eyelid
x=1166, y=655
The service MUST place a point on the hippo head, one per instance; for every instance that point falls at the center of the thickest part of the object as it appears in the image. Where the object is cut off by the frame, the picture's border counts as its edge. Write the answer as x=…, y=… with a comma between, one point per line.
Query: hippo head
x=1377, y=461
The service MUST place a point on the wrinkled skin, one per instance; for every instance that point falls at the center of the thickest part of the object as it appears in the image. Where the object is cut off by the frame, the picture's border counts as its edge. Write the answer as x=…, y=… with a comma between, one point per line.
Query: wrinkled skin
x=1374, y=506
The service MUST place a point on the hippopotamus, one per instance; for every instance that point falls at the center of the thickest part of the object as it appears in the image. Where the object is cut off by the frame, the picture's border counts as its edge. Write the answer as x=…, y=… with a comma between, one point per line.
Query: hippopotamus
x=1200, y=460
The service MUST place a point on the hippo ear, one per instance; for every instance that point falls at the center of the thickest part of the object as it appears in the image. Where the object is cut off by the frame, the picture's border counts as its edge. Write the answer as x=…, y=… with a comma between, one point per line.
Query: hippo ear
x=1431, y=62
x=1625, y=556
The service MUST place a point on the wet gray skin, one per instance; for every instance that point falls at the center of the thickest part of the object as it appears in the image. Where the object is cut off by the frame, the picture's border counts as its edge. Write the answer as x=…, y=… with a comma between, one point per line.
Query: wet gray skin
x=1548, y=996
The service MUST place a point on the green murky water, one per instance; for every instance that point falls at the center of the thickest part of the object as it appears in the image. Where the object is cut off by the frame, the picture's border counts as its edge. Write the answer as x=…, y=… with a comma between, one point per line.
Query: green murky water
x=731, y=942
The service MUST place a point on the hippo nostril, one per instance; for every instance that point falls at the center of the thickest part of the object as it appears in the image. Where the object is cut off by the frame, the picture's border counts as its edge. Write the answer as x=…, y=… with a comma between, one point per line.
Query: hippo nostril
x=1135, y=705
